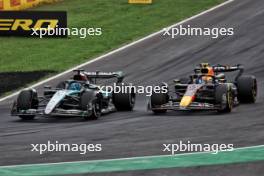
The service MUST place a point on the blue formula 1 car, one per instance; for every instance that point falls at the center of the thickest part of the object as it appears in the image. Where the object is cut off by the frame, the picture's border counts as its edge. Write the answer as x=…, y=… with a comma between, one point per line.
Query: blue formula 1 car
x=77, y=97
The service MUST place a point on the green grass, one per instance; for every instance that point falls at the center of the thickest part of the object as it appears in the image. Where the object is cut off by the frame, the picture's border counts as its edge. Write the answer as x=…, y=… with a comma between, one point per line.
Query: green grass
x=121, y=24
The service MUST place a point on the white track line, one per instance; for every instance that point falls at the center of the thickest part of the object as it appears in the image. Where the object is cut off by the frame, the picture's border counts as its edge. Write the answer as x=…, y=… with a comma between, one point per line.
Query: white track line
x=131, y=158
x=119, y=49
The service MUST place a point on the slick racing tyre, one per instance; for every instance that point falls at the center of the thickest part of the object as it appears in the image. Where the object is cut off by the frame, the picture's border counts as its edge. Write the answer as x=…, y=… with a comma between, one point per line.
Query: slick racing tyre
x=247, y=89
x=124, y=101
x=90, y=98
x=224, y=98
x=185, y=80
x=158, y=99
x=61, y=85
x=27, y=99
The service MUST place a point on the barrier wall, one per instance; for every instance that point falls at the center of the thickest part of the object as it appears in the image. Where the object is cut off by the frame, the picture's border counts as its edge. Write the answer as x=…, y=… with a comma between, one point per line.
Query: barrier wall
x=21, y=4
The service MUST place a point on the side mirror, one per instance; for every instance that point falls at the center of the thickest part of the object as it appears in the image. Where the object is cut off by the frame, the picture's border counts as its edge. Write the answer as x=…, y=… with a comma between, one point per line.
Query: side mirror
x=47, y=87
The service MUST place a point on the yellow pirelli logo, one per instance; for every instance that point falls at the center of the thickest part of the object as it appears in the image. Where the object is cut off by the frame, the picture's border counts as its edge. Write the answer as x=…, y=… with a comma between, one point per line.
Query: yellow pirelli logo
x=26, y=24
x=140, y=1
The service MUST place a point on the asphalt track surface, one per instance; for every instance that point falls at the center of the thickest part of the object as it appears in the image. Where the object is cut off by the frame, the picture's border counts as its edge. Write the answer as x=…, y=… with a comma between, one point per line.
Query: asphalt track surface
x=140, y=133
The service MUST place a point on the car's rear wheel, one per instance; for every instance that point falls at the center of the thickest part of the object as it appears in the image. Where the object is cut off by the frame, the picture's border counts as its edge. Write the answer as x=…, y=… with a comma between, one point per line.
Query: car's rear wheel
x=89, y=98
x=247, y=89
x=224, y=98
x=27, y=99
x=124, y=101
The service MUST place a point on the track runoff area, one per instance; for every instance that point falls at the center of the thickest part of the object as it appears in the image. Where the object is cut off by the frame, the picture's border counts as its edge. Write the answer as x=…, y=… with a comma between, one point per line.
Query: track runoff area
x=238, y=155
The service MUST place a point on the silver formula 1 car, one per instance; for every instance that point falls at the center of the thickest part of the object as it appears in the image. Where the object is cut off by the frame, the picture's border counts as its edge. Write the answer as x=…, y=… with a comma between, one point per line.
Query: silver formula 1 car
x=207, y=89
x=77, y=97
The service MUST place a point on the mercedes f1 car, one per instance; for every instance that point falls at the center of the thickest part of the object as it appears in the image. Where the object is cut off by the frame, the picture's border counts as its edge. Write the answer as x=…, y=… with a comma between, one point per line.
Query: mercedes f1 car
x=207, y=89
x=78, y=97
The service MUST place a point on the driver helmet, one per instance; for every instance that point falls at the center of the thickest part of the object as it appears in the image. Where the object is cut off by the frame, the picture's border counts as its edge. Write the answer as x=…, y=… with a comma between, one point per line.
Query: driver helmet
x=75, y=86
x=207, y=71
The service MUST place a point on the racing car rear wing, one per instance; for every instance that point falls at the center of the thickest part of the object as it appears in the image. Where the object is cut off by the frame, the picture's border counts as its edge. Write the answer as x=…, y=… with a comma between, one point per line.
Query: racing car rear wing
x=224, y=69
x=105, y=75
x=221, y=68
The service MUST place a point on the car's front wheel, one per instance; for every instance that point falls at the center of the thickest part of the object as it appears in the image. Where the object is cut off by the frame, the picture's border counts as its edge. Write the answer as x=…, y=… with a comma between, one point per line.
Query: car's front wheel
x=158, y=99
x=27, y=99
x=91, y=103
x=224, y=98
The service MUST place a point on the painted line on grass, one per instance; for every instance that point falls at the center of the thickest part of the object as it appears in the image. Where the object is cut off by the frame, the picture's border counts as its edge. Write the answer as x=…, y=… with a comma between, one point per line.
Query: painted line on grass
x=239, y=155
x=119, y=49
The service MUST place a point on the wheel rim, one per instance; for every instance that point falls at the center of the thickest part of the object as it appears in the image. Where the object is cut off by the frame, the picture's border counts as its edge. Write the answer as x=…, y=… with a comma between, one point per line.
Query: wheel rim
x=97, y=109
x=224, y=101
x=254, y=90
x=229, y=101
x=132, y=100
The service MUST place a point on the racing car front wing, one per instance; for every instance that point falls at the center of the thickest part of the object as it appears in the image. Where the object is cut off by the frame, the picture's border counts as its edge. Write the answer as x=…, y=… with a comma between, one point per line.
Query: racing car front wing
x=193, y=106
x=56, y=112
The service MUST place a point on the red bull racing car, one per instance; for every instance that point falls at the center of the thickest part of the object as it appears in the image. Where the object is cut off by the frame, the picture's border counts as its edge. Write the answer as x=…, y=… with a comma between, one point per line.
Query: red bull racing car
x=207, y=89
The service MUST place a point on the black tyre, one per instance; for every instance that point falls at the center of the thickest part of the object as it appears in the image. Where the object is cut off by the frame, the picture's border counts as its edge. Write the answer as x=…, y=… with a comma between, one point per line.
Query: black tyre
x=247, y=89
x=158, y=99
x=224, y=98
x=91, y=98
x=27, y=99
x=61, y=85
x=185, y=80
x=124, y=101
